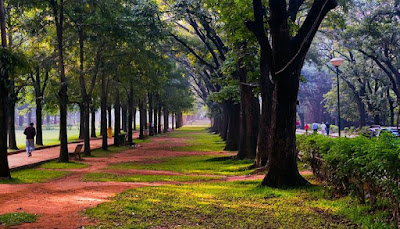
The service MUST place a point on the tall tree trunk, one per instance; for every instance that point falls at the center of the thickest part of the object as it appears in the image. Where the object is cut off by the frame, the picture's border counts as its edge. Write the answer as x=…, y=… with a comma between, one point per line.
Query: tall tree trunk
x=20, y=120
x=58, y=13
x=142, y=120
x=12, y=144
x=130, y=113
x=117, y=121
x=233, y=130
x=166, y=120
x=124, y=118
x=93, y=124
x=55, y=122
x=39, y=122
x=85, y=112
x=109, y=116
x=81, y=121
x=173, y=121
x=151, y=124
x=223, y=130
x=4, y=168
x=134, y=118
x=283, y=169
x=47, y=119
x=155, y=119
x=250, y=115
x=103, y=107
x=159, y=119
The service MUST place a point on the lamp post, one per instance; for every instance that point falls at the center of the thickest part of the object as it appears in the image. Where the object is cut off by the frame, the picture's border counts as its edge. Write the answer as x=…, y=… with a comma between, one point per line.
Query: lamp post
x=337, y=62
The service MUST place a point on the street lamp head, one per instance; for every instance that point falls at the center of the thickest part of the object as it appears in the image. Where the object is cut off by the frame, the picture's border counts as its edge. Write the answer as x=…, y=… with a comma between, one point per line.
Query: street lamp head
x=337, y=61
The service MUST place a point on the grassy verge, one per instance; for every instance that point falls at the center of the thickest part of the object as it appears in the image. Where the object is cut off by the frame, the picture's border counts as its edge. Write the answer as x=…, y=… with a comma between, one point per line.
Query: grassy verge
x=108, y=153
x=193, y=165
x=232, y=205
x=28, y=176
x=13, y=219
x=58, y=165
x=108, y=177
x=198, y=139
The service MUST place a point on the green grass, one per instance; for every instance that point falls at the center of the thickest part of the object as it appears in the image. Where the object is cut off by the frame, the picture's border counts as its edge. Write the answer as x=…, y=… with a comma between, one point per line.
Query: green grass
x=58, y=165
x=193, y=165
x=232, y=205
x=13, y=219
x=198, y=139
x=28, y=176
x=110, y=152
x=108, y=177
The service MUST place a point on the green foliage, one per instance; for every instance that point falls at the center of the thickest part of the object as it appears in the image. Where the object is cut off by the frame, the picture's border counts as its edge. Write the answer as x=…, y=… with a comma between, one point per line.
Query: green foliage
x=367, y=168
x=109, y=177
x=16, y=218
x=231, y=204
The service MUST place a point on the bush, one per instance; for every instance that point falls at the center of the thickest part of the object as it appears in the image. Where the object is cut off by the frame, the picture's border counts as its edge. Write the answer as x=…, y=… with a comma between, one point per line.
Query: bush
x=366, y=168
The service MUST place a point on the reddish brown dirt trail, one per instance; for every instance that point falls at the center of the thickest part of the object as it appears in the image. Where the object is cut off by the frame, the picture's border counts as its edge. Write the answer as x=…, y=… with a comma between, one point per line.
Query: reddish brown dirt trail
x=59, y=202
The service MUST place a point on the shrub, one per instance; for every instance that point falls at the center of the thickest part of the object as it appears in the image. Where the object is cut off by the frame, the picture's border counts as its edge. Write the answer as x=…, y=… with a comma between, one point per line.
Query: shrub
x=366, y=168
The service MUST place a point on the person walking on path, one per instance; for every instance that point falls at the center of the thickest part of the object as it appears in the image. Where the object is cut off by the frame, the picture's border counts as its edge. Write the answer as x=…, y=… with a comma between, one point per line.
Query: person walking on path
x=315, y=127
x=328, y=126
x=323, y=128
x=306, y=127
x=30, y=133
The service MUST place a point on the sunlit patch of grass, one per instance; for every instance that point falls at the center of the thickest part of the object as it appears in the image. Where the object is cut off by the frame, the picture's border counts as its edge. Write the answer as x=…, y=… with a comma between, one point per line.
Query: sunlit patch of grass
x=108, y=177
x=28, y=176
x=16, y=218
x=109, y=152
x=197, y=139
x=141, y=141
x=232, y=205
x=206, y=164
x=58, y=165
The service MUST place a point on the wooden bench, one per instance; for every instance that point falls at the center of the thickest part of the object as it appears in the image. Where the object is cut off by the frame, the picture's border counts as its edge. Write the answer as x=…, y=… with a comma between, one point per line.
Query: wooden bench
x=77, y=153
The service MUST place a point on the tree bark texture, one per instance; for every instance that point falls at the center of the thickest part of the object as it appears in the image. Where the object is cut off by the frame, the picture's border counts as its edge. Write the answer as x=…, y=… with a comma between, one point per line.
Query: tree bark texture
x=93, y=123
x=233, y=129
x=117, y=119
x=151, y=124
x=103, y=107
x=58, y=13
x=142, y=115
x=4, y=80
x=284, y=57
x=130, y=113
x=166, y=119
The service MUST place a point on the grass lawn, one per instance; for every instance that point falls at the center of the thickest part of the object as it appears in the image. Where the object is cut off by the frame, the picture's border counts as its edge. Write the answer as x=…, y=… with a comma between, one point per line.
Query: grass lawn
x=198, y=139
x=232, y=205
x=58, y=165
x=16, y=218
x=28, y=176
x=208, y=164
x=111, y=150
x=107, y=177
x=243, y=204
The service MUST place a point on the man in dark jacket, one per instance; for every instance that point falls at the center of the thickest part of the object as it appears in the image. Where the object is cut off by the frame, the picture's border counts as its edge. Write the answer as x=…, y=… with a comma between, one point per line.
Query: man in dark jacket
x=30, y=133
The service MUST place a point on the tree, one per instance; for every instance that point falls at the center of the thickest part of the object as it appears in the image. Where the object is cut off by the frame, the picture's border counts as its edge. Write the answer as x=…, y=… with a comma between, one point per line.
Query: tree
x=280, y=66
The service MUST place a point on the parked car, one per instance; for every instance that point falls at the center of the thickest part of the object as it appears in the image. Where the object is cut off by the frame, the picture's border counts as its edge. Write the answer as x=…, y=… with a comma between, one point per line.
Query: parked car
x=392, y=130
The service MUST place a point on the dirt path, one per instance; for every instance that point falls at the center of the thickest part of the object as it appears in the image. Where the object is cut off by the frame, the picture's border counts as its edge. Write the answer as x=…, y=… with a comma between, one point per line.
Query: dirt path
x=59, y=202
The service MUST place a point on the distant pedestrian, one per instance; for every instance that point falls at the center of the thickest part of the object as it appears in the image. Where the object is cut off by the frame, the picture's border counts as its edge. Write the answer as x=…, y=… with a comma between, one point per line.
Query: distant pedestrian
x=30, y=133
x=315, y=127
x=323, y=128
x=328, y=127
x=306, y=127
